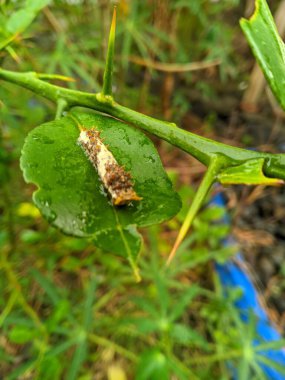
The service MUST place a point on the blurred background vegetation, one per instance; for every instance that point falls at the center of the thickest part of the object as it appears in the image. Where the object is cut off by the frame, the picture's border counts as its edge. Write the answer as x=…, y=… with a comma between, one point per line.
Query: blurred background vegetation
x=69, y=310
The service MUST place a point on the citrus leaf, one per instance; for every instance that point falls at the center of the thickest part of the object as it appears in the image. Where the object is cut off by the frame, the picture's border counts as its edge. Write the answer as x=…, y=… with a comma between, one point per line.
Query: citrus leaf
x=248, y=173
x=71, y=196
x=267, y=47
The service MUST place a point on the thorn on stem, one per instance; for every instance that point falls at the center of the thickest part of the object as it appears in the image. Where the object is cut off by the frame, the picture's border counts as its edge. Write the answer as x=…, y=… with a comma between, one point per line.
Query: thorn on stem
x=108, y=74
x=173, y=252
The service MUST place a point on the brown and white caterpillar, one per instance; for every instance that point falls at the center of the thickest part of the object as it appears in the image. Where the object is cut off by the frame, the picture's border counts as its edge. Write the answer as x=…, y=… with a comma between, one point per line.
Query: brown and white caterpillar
x=115, y=179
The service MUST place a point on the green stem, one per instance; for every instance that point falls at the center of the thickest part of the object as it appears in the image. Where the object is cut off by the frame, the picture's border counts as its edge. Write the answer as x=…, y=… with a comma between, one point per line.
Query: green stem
x=101, y=341
x=207, y=359
x=127, y=248
x=9, y=306
x=199, y=147
x=61, y=106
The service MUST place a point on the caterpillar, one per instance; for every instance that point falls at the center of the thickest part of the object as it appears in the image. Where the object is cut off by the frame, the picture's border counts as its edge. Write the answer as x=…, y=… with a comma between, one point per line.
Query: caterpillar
x=116, y=180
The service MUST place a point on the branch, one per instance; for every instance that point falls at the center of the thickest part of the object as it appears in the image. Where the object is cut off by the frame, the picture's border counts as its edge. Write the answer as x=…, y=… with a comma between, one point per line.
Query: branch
x=199, y=147
x=174, y=67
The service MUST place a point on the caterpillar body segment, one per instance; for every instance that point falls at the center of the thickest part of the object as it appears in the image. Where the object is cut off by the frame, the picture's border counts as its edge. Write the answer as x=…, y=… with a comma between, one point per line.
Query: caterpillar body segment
x=116, y=180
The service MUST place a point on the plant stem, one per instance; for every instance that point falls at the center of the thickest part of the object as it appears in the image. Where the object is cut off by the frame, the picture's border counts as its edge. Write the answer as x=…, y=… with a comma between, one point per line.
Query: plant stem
x=104, y=342
x=61, y=106
x=199, y=147
x=206, y=359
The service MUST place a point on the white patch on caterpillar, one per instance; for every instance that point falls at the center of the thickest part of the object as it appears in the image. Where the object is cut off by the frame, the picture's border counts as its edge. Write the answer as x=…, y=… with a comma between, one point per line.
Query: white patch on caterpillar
x=115, y=179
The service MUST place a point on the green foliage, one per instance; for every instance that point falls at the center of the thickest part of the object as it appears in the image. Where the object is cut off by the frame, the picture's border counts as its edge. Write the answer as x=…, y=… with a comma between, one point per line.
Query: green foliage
x=86, y=320
x=21, y=19
x=68, y=310
x=250, y=173
x=18, y=21
x=208, y=38
x=268, y=47
x=152, y=365
x=71, y=196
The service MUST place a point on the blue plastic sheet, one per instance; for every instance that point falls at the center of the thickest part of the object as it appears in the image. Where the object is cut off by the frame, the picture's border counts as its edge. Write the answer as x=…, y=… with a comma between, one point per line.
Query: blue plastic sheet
x=232, y=274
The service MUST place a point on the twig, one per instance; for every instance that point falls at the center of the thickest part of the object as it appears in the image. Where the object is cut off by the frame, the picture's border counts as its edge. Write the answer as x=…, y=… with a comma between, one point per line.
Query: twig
x=174, y=67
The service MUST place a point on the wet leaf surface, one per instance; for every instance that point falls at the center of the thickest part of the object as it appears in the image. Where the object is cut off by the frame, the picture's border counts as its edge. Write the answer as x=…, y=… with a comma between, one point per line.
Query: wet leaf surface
x=71, y=196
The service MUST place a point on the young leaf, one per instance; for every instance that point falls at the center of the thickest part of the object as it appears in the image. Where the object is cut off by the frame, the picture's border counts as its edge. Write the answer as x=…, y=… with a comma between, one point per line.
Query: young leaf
x=249, y=173
x=267, y=47
x=71, y=196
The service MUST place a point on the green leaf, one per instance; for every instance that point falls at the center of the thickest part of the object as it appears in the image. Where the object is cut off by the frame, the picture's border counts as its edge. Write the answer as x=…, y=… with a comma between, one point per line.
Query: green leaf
x=47, y=285
x=147, y=306
x=31, y=237
x=37, y=5
x=273, y=345
x=20, y=20
x=184, y=302
x=77, y=361
x=145, y=325
x=21, y=370
x=22, y=334
x=249, y=173
x=267, y=47
x=271, y=364
x=184, y=335
x=152, y=366
x=50, y=369
x=88, y=305
x=70, y=195
x=60, y=312
x=57, y=350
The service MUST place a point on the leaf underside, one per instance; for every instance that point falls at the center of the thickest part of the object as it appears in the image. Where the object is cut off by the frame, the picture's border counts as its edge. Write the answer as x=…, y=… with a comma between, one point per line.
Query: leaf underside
x=71, y=196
